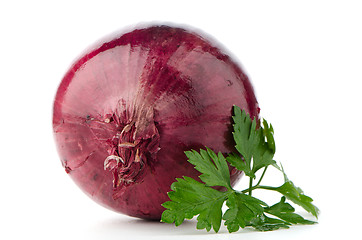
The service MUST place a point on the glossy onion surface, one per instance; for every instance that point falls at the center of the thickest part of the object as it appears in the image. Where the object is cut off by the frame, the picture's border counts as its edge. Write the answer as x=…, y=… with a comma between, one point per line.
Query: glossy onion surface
x=127, y=110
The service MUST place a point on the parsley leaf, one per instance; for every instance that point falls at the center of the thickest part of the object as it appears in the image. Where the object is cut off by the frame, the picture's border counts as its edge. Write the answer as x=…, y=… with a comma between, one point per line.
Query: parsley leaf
x=285, y=217
x=285, y=211
x=190, y=198
x=214, y=169
x=256, y=148
x=296, y=195
x=250, y=143
x=242, y=209
x=264, y=223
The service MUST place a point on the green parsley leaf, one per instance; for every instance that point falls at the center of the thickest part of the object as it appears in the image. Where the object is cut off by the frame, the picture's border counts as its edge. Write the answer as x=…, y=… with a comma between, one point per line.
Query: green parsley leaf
x=236, y=161
x=251, y=144
x=190, y=198
x=285, y=211
x=286, y=217
x=264, y=223
x=296, y=195
x=242, y=209
x=268, y=132
x=214, y=169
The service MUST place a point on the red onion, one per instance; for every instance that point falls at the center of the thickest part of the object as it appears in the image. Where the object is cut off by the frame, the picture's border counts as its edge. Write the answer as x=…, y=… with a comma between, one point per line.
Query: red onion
x=125, y=113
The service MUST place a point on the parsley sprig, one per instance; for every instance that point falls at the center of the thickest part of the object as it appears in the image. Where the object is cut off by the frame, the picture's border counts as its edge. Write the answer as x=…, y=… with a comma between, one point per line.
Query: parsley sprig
x=256, y=149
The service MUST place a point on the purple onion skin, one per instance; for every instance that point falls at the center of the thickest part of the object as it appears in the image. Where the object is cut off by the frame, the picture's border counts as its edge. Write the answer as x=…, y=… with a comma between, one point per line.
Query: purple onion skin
x=144, y=98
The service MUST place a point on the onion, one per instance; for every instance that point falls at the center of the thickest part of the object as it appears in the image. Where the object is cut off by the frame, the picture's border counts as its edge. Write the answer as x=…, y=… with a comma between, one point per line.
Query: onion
x=126, y=111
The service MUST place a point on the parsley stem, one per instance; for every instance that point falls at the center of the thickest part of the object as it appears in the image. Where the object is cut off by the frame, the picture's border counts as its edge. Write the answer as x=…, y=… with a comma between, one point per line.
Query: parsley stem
x=262, y=175
x=259, y=187
x=266, y=187
x=251, y=188
x=250, y=185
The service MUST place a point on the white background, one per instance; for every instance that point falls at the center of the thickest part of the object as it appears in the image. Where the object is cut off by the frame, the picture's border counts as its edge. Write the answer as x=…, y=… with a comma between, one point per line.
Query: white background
x=304, y=59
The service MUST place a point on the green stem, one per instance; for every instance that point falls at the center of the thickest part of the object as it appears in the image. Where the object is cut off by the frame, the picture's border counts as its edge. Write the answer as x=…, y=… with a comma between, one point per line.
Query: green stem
x=262, y=175
x=250, y=185
x=259, y=187
x=251, y=188
x=266, y=187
